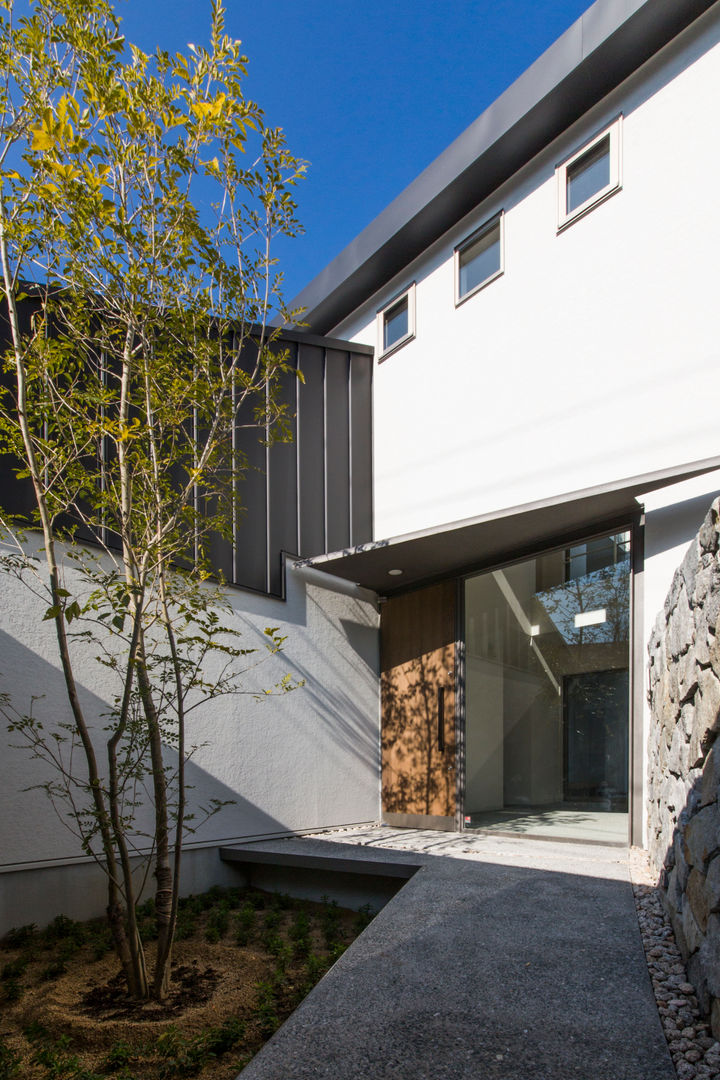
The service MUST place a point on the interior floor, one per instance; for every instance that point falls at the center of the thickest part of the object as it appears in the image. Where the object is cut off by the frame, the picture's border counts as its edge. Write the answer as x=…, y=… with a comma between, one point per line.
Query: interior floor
x=571, y=821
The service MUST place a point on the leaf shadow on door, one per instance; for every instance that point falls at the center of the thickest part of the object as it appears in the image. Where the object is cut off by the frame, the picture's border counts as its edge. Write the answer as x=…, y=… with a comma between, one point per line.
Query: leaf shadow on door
x=419, y=776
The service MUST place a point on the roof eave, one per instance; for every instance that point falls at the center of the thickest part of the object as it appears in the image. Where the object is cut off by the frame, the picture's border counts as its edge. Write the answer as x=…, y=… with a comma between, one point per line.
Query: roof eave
x=598, y=52
x=502, y=536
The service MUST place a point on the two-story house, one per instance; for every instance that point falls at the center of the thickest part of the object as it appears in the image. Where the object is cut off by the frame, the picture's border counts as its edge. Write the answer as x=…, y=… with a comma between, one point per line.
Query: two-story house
x=542, y=301
x=505, y=438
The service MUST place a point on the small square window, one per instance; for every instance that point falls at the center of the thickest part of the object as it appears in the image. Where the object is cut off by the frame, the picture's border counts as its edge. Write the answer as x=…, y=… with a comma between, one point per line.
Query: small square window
x=590, y=175
x=396, y=322
x=479, y=259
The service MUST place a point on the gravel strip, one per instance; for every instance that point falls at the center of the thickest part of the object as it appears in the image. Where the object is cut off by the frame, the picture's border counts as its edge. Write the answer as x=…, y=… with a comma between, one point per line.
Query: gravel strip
x=694, y=1051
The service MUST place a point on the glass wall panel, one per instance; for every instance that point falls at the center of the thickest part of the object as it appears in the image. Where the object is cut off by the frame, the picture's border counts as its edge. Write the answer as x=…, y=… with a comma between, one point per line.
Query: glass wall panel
x=547, y=661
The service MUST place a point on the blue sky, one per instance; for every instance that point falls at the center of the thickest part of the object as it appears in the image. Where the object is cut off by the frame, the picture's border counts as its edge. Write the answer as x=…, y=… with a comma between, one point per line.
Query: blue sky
x=369, y=93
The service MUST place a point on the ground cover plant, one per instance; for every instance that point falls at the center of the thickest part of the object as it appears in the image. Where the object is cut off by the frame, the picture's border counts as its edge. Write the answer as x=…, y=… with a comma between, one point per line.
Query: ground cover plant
x=244, y=960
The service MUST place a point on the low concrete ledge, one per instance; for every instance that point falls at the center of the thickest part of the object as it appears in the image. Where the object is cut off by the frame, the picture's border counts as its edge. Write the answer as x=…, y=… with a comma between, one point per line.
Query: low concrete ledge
x=270, y=855
x=313, y=869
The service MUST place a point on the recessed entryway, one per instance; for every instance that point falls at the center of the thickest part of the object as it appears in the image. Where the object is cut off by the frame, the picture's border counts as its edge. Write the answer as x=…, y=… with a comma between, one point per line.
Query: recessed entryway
x=547, y=694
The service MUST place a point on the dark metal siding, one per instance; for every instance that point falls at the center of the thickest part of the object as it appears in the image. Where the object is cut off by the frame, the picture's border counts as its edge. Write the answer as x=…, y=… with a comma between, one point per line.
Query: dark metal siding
x=337, y=449
x=314, y=493
x=311, y=449
x=303, y=496
x=282, y=488
x=250, y=547
x=361, y=515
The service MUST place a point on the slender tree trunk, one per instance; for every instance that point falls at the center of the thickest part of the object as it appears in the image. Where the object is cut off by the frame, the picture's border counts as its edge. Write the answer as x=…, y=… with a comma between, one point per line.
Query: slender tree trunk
x=163, y=865
x=138, y=978
x=133, y=970
x=165, y=943
x=123, y=946
x=166, y=874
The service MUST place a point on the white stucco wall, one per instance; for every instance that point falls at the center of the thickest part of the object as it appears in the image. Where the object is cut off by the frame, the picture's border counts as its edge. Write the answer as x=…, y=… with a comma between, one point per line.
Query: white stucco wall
x=596, y=355
x=303, y=761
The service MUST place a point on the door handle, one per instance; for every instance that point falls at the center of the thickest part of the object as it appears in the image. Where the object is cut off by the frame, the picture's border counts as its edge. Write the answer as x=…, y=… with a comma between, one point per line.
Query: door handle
x=441, y=720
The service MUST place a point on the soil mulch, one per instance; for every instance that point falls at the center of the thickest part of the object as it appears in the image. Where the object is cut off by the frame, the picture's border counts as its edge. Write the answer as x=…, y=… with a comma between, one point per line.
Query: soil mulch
x=191, y=986
x=243, y=961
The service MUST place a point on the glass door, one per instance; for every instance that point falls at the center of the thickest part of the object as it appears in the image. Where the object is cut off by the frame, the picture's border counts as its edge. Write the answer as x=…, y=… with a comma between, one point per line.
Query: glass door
x=547, y=694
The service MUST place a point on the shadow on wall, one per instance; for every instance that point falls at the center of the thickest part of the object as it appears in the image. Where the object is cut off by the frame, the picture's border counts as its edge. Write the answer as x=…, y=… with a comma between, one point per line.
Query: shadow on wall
x=43, y=870
x=271, y=760
x=415, y=775
x=684, y=760
x=337, y=683
x=32, y=828
x=350, y=728
x=340, y=683
x=667, y=527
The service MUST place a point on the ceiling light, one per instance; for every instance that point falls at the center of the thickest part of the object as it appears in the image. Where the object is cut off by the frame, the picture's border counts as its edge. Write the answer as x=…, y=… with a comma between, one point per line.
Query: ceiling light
x=591, y=618
x=394, y=573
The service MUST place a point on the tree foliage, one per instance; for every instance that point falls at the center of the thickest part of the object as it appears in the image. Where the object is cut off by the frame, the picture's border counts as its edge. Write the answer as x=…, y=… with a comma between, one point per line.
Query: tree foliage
x=140, y=195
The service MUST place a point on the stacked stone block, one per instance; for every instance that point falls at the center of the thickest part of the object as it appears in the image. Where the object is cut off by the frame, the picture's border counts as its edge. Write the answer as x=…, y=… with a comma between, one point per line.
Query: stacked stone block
x=684, y=760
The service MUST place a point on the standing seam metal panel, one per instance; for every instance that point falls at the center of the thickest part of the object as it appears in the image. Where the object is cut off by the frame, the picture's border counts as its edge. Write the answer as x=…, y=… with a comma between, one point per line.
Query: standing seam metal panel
x=337, y=420
x=250, y=561
x=305, y=497
x=361, y=476
x=311, y=450
x=282, y=505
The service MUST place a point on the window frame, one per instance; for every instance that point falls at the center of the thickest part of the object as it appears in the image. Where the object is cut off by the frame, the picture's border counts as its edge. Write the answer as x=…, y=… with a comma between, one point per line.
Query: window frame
x=613, y=133
x=409, y=292
x=490, y=223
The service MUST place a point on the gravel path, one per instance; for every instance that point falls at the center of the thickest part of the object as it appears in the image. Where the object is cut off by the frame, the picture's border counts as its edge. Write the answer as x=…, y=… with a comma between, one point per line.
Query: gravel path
x=694, y=1051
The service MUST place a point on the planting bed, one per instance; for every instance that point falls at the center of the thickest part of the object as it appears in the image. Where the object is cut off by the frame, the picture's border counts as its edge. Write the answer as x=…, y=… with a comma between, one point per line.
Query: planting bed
x=243, y=961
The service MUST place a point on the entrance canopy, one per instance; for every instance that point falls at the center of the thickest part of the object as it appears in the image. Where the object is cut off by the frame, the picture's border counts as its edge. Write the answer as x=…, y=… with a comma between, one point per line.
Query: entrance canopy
x=498, y=537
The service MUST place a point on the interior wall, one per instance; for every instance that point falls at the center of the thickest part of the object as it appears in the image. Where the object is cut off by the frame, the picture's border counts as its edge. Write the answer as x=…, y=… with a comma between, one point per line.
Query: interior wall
x=484, y=701
x=484, y=744
x=533, y=746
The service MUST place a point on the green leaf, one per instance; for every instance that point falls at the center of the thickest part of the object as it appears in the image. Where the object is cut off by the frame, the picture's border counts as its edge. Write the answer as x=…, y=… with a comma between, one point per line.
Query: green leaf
x=72, y=611
x=52, y=612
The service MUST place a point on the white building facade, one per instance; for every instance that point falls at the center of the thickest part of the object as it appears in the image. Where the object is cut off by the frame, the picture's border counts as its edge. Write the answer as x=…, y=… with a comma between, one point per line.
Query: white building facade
x=542, y=301
x=542, y=306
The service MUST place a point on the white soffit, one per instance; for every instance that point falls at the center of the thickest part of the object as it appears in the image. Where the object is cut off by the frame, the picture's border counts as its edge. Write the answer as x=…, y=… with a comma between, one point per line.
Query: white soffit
x=492, y=539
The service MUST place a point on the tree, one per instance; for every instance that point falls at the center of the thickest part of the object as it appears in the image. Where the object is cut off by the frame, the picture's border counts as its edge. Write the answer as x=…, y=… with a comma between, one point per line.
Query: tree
x=141, y=348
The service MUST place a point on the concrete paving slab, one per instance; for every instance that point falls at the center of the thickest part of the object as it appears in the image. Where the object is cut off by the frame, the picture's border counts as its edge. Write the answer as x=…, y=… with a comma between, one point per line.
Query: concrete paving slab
x=510, y=959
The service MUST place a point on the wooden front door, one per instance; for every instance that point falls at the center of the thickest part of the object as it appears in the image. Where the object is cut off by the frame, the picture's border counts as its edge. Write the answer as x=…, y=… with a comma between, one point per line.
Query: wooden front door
x=418, y=661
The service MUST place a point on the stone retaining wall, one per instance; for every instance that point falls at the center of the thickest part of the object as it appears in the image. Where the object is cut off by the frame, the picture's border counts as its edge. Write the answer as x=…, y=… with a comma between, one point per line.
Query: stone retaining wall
x=684, y=760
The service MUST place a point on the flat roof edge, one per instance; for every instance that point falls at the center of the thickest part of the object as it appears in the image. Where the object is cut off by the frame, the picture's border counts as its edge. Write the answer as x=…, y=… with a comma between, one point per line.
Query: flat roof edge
x=597, y=52
x=301, y=337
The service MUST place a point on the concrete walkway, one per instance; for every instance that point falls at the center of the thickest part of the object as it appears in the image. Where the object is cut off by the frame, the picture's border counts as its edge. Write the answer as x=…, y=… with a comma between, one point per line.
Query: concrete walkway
x=500, y=958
